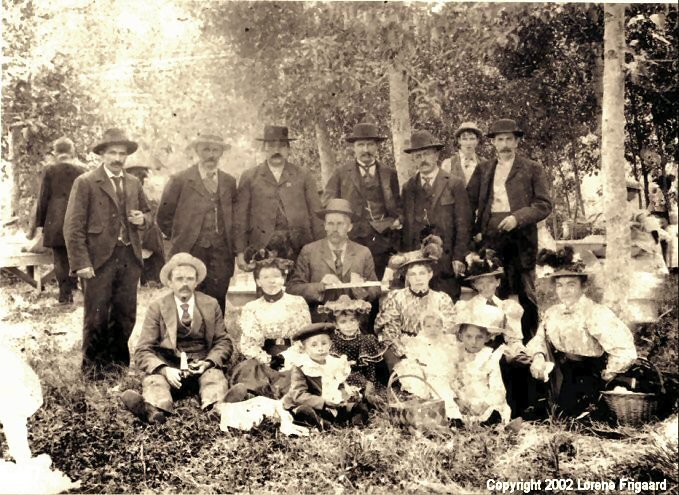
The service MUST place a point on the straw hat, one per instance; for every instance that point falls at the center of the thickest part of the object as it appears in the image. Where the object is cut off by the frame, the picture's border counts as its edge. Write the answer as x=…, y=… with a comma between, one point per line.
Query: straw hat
x=180, y=259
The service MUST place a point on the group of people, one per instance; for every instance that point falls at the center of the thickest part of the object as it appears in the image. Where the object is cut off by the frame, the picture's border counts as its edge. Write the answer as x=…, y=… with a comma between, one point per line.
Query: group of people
x=323, y=336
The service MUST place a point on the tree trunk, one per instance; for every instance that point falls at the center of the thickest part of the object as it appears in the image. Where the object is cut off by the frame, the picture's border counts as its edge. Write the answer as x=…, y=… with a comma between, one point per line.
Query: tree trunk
x=618, y=243
x=400, y=119
x=325, y=152
x=598, y=80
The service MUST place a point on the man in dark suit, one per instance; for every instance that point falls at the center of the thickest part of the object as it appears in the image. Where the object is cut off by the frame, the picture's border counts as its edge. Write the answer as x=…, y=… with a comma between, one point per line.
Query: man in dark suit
x=435, y=202
x=181, y=322
x=373, y=191
x=55, y=189
x=276, y=197
x=511, y=195
x=333, y=260
x=106, y=213
x=463, y=163
x=196, y=213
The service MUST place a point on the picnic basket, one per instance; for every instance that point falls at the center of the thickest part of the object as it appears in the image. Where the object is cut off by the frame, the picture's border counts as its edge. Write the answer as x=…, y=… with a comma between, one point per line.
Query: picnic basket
x=422, y=414
x=631, y=407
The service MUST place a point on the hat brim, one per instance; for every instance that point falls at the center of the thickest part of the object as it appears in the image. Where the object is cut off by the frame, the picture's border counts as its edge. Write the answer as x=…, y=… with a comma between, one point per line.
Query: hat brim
x=101, y=147
x=495, y=273
x=436, y=146
x=224, y=146
x=491, y=330
x=517, y=133
x=265, y=140
x=321, y=214
x=420, y=261
x=353, y=139
x=166, y=270
x=314, y=329
x=478, y=132
x=566, y=273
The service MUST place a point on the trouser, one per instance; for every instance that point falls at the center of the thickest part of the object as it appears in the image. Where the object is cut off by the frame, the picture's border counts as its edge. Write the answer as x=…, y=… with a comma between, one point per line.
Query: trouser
x=381, y=246
x=110, y=300
x=219, y=264
x=211, y=386
x=151, y=271
x=448, y=283
x=61, y=269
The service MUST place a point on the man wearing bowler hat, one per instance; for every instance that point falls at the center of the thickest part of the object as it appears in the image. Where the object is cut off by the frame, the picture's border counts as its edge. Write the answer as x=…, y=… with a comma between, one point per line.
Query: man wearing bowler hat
x=463, y=163
x=510, y=195
x=196, y=212
x=436, y=202
x=106, y=214
x=276, y=197
x=372, y=190
x=333, y=260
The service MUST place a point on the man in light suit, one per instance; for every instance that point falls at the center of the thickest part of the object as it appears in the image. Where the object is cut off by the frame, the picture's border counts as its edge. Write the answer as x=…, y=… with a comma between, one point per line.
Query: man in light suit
x=106, y=214
x=463, y=163
x=276, y=197
x=196, y=212
x=181, y=322
x=332, y=260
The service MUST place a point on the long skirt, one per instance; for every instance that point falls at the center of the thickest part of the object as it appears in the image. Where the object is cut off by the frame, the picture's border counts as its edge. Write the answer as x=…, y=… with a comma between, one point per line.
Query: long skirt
x=261, y=379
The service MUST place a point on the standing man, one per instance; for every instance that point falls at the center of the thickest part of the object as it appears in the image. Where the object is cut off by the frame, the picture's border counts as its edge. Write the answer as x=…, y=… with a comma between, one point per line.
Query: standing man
x=276, y=197
x=372, y=190
x=463, y=163
x=510, y=195
x=55, y=189
x=436, y=202
x=106, y=213
x=196, y=213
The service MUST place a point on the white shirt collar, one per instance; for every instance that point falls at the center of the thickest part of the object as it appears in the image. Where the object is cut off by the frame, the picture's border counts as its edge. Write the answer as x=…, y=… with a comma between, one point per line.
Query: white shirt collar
x=203, y=171
x=342, y=248
x=191, y=302
x=111, y=175
x=464, y=159
x=505, y=163
x=431, y=177
x=276, y=171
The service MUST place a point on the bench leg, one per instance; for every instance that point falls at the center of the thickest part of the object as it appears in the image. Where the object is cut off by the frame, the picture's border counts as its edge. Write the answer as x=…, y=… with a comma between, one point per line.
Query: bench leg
x=23, y=276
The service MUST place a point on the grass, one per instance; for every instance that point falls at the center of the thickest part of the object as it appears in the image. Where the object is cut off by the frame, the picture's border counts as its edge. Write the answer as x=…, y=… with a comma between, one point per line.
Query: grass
x=93, y=439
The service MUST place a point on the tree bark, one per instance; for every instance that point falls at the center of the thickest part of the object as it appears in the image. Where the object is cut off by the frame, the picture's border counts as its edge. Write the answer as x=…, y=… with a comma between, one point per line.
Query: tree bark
x=617, y=275
x=325, y=152
x=400, y=119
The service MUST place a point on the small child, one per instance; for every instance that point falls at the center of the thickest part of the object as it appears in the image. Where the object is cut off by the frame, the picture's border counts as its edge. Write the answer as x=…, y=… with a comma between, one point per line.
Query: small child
x=477, y=381
x=318, y=389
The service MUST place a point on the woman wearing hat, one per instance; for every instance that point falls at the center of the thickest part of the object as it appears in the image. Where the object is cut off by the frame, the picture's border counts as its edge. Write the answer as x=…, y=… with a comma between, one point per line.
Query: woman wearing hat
x=586, y=343
x=400, y=312
x=267, y=325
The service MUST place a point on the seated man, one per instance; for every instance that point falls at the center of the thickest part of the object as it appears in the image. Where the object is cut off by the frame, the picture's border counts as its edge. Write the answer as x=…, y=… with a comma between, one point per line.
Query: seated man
x=182, y=323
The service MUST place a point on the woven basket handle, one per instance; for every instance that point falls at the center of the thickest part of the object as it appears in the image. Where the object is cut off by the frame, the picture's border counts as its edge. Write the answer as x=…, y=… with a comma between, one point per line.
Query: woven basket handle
x=394, y=376
x=657, y=371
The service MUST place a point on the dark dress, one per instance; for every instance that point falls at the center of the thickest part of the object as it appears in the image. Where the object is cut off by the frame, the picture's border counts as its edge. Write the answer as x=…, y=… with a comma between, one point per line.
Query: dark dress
x=364, y=351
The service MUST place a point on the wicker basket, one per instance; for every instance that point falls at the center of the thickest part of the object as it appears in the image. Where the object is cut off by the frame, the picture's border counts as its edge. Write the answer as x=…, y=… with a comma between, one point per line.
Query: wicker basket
x=422, y=414
x=633, y=408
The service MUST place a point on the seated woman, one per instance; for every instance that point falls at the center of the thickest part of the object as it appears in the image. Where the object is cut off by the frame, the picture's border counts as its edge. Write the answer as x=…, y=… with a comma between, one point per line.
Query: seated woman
x=586, y=343
x=267, y=326
x=401, y=310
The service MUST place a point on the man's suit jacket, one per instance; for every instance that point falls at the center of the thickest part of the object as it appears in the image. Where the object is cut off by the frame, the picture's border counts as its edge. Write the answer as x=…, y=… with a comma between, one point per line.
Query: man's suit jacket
x=316, y=260
x=449, y=215
x=91, y=224
x=346, y=182
x=258, y=193
x=185, y=202
x=157, y=345
x=529, y=201
x=55, y=188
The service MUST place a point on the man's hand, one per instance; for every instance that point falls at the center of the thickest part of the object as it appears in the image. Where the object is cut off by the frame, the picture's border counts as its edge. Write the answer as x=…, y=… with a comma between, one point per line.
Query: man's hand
x=356, y=278
x=330, y=279
x=135, y=217
x=240, y=261
x=173, y=376
x=459, y=268
x=537, y=367
x=508, y=223
x=85, y=272
x=396, y=225
x=200, y=367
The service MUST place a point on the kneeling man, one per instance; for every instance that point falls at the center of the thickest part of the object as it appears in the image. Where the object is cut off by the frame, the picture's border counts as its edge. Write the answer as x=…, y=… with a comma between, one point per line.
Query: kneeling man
x=182, y=321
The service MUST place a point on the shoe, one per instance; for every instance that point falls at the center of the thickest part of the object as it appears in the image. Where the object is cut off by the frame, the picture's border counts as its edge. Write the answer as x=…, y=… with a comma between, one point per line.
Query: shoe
x=306, y=416
x=154, y=415
x=134, y=402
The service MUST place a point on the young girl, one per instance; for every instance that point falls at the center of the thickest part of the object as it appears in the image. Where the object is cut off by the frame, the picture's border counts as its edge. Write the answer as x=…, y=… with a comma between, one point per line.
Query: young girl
x=477, y=380
x=318, y=389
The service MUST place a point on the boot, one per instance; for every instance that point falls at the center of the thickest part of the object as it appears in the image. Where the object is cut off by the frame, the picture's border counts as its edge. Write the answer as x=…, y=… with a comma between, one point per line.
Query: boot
x=135, y=403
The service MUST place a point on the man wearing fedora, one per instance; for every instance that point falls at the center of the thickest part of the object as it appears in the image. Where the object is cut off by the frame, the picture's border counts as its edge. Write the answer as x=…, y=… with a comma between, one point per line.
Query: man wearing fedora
x=196, y=213
x=106, y=214
x=276, y=197
x=333, y=260
x=510, y=195
x=181, y=325
x=436, y=202
x=463, y=163
x=55, y=188
x=372, y=190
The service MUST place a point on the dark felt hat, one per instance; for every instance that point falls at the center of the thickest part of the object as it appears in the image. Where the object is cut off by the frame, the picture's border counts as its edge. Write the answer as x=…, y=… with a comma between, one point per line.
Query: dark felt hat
x=275, y=133
x=422, y=140
x=114, y=136
x=365, y=130
x=314, y=329
x=503, y=126
x=336, y=205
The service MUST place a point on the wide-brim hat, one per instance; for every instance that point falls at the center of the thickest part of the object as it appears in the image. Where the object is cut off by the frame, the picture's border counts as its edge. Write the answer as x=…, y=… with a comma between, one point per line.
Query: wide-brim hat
x=482, y=264
x=468, y=127
x=430, y=253
x=213, y=139
x=422, y=140
x=313, y=329
x=336, y=205
x=345, y=304
x=114, y=136
x=180, y=259
x=562, y=263
x=481, y=315
x=504, y=126
x=275, y=133
x=364, y=130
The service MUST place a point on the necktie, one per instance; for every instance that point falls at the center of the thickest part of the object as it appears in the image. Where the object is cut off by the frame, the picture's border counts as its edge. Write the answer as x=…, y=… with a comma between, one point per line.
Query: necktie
x=122, y=210
x=186, y=317
x=365, y=170
x=338, y=260
x=426, y=185
x=211, y=182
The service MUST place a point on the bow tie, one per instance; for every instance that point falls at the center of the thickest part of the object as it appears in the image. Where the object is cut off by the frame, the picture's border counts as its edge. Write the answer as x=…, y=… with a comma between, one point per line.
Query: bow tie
x=419, y=294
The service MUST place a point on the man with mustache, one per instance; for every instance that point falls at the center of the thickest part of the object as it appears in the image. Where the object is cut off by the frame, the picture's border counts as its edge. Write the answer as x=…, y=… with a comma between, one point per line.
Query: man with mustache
x=372, y=190
x=276, y=198
x=196, y=212
x=435, y=202
x=183, y=345
x=106, y=214
x=463, y=163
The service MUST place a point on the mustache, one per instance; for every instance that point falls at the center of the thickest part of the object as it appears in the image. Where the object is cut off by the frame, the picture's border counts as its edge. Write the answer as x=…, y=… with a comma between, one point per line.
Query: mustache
x=117, y=162
x=276, y=155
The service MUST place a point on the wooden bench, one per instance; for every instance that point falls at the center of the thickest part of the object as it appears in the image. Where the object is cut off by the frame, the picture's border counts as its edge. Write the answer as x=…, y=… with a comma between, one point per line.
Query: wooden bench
x=32, y=264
